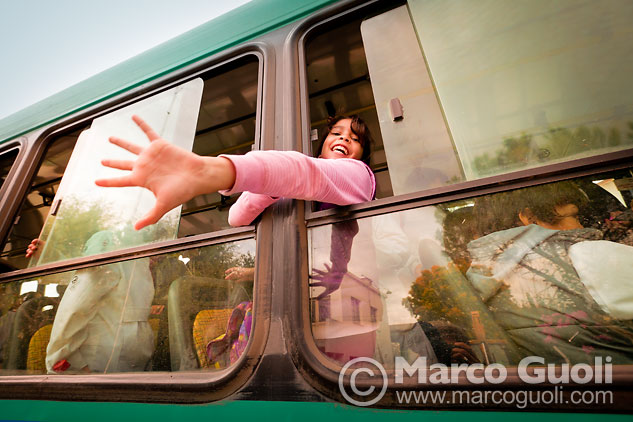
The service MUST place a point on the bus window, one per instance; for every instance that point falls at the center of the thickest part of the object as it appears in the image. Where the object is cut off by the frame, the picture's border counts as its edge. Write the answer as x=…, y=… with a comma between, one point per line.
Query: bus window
x=460, y=92
x=529, y=83
x=338, y=83
x=39, y=198
x=417, y=144
x=226, y=123
x=539, y=271
x=6, y=161
x=80, y=208
x=163, y=313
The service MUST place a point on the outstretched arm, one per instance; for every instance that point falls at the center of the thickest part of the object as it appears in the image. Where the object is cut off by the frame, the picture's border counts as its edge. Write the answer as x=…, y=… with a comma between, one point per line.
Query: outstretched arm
x=173, y=174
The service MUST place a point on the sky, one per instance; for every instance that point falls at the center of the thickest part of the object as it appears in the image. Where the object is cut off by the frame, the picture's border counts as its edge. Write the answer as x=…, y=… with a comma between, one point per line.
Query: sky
x=46, y=45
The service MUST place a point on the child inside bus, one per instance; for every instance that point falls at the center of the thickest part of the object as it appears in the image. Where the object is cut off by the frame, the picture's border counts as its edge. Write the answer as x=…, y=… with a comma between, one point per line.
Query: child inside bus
x=522, y=268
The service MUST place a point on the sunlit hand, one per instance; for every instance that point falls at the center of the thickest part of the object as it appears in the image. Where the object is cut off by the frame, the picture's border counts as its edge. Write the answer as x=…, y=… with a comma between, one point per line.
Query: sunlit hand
x=329, y=279
x=239, y=274
x=172, y=174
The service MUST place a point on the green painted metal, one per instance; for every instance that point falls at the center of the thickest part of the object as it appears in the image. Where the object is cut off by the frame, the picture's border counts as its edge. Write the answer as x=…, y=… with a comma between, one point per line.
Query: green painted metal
x=15, y=410
x=238, y=26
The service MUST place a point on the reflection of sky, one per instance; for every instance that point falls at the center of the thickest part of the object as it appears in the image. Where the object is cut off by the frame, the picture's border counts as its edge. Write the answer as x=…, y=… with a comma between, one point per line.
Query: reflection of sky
x=245, y=247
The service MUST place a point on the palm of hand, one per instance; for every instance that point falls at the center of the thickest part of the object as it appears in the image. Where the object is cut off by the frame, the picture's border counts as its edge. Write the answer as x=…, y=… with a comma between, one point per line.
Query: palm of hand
x=167, y=171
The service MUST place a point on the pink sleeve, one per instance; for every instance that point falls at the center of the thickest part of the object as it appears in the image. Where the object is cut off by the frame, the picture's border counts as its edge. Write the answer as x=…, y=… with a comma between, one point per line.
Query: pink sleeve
x=294, y=175
x=248, y=206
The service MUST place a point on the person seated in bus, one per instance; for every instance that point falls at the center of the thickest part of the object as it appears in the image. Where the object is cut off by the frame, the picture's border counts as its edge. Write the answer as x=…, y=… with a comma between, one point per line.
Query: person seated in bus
x=524, y=271
x=102, y=324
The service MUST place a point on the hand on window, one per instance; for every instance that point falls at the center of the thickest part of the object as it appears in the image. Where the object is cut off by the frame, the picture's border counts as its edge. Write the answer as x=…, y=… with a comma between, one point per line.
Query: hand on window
x=240, y=274
x=32, y=248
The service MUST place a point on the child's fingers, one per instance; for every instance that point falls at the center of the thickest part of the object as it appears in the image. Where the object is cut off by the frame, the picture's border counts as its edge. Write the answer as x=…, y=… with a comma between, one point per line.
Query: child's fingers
x=127, y=145
x=149, y=132
x=155, y=214
x=116, y=182
x=118, y=164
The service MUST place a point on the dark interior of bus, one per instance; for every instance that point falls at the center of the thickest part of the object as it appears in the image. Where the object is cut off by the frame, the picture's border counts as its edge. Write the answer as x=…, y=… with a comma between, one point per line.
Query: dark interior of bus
x=339, y=84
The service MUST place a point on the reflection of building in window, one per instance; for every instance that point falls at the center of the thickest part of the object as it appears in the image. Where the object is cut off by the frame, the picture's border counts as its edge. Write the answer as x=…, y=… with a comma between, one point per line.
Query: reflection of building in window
x=342, y=331
x=373, y=314
x=324, y=309
x=355, y=309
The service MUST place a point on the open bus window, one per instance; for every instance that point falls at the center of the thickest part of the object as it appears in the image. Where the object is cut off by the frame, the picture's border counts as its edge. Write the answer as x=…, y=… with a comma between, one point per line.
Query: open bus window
x=226, y=123
x=459, y=92
x=540, y=271
x=6, y=162
x=338, y=83
x=80, y=209
x=29, y=222
x=164, y=313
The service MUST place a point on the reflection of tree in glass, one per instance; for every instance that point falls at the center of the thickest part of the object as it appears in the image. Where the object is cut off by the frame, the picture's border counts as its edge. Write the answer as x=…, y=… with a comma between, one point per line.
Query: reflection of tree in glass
x=71, y=229
x=556, y=143
x=213, y=261
x=65, y=235
x=432, y=296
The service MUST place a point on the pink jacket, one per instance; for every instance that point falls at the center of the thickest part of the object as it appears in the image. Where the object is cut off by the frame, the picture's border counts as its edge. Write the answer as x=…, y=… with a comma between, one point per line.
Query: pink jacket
x=265, y=176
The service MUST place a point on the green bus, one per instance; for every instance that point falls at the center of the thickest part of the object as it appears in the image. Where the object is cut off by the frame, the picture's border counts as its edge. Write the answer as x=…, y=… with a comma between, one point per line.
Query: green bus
x=491, y=276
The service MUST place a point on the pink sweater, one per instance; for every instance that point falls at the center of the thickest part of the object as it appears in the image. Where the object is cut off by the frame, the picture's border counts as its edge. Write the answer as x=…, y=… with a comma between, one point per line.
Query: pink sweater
x=265, y=176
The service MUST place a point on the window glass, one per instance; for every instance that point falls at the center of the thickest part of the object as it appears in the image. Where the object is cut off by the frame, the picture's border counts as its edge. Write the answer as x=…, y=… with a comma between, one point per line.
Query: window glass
x=528, y=83
x=163, y=313
x=417, y=144
x=80, y=208
x=463, y=90
x=540, y=271
x=6, y=161
x=226, y=124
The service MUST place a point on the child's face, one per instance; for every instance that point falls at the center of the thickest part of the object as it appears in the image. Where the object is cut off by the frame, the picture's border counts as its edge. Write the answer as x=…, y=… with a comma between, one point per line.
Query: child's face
x=342, y=142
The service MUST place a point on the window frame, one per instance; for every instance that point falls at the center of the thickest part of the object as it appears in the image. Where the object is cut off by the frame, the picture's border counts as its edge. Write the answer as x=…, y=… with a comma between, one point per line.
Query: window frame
x=160, y=387
x=323, y=373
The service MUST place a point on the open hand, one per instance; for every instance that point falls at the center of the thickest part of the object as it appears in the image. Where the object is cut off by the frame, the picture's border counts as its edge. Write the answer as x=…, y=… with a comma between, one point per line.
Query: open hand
x=172, y=174
x=329, y=279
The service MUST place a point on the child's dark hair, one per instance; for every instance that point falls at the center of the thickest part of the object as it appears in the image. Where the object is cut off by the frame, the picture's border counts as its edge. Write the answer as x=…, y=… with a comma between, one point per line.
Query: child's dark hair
x=500, y=211
x=360, y=129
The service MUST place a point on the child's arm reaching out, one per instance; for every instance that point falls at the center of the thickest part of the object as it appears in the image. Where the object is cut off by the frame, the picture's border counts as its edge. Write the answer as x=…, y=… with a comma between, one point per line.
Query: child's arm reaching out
x=175, y=175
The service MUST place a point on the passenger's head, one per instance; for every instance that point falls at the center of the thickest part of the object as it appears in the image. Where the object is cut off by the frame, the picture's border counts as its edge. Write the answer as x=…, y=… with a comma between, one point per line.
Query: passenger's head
x=553, y=206
x=346, y=137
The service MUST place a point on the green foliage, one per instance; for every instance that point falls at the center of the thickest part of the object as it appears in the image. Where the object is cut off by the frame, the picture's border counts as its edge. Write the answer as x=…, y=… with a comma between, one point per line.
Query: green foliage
x=65, y=235
x=557, y=143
